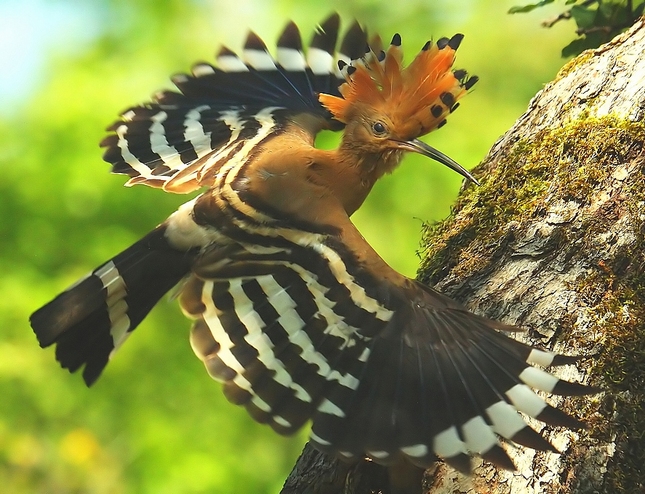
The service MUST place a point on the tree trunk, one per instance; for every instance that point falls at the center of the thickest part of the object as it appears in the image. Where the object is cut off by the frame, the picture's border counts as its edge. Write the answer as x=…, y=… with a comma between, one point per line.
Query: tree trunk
x=553, y=241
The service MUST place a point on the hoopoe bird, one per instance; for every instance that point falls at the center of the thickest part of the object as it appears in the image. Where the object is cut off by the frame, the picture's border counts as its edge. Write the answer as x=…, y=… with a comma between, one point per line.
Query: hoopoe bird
x=294, y=312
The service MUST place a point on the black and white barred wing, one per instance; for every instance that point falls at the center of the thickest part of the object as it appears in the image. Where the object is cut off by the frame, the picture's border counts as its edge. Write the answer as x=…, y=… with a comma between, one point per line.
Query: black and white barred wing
x=178, y=141
x=300, y=333
x=277, y=329
x=442, y=382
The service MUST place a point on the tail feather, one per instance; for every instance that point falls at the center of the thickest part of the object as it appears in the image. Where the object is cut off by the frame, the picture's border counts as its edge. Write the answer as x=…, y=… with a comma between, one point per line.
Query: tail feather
x=93, y=317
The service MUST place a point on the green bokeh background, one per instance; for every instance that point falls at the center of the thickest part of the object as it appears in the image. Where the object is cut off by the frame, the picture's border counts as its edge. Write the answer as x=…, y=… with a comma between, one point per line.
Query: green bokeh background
x=155, y=422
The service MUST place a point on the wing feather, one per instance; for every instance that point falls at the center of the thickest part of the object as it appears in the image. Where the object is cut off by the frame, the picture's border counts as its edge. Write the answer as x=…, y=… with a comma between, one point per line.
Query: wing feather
x=430, y=380
x=180, y=139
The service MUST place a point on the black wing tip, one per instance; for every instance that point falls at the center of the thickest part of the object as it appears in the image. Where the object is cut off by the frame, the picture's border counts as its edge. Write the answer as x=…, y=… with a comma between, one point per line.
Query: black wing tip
x=354, y=42
x=225, y=51
x=326, y=36
x=331, y=23
x=556, y=417
x=568, y=388
x=534, y=440
x=290, y=37
x=499, y=457
x=460, y=462
x=85, y=347
x=559, y=359
x=91, y=371
x=442, y=43
x=254, y=42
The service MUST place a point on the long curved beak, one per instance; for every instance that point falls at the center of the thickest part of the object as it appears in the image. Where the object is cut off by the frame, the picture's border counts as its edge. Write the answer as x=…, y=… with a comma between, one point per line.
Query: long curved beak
x=417, y=146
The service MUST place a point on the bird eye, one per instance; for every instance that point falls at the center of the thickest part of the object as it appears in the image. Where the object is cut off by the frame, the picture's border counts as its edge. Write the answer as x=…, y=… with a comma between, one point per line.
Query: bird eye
x=378, y=128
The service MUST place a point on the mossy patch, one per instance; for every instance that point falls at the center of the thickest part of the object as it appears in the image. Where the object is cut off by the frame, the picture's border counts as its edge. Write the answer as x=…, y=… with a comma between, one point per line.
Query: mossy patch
x=573, y=163
x=574, y=63
x=565, y=163
x=621, y=369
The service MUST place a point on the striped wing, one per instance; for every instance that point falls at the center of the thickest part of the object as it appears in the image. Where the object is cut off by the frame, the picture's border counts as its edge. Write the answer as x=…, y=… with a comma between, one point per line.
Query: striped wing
x=178, y=141
x=442, y=382
x=300, y=330
x=274, y=324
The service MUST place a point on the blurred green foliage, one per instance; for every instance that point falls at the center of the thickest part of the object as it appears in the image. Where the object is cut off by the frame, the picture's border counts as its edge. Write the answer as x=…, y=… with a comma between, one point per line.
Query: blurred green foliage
x=155, y=422
x=597, y=21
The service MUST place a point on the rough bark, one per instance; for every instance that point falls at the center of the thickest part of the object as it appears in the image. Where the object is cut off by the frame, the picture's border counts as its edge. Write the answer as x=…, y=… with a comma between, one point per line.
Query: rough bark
x=553, y=241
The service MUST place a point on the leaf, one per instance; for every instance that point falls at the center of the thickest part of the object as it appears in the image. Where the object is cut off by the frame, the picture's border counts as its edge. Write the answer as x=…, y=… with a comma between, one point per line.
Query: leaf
x=638, y=9
x=577, y=46
x=528, y=8
x=584, y=16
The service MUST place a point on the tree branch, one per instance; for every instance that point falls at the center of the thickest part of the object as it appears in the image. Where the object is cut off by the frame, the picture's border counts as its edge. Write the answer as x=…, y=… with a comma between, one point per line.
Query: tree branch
x=553, y=241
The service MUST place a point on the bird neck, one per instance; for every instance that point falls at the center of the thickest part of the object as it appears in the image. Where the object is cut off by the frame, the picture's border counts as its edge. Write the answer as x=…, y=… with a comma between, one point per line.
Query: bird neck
x=348, y=172
x=351, y=173
x=361, y=168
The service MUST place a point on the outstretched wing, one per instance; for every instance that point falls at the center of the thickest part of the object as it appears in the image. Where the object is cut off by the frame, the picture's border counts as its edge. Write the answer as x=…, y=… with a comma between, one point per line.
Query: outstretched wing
x=179, y=140
x=441, y=381
x=300, y=326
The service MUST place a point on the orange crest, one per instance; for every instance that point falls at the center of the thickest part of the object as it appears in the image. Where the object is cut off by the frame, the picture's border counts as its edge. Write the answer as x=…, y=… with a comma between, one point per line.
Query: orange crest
x=416, y=98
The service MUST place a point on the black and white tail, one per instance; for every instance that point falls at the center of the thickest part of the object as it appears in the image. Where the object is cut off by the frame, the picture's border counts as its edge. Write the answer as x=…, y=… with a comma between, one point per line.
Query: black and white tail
x=92, y=318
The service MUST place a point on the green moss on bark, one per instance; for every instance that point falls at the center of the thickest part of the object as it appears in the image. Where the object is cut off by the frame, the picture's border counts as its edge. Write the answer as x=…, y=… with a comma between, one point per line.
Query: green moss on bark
x=573, y=163
x=565, y=163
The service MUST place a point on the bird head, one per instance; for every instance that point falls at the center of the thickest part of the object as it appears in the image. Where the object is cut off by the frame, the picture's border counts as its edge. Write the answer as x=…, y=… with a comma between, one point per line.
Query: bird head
x=386, y=107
